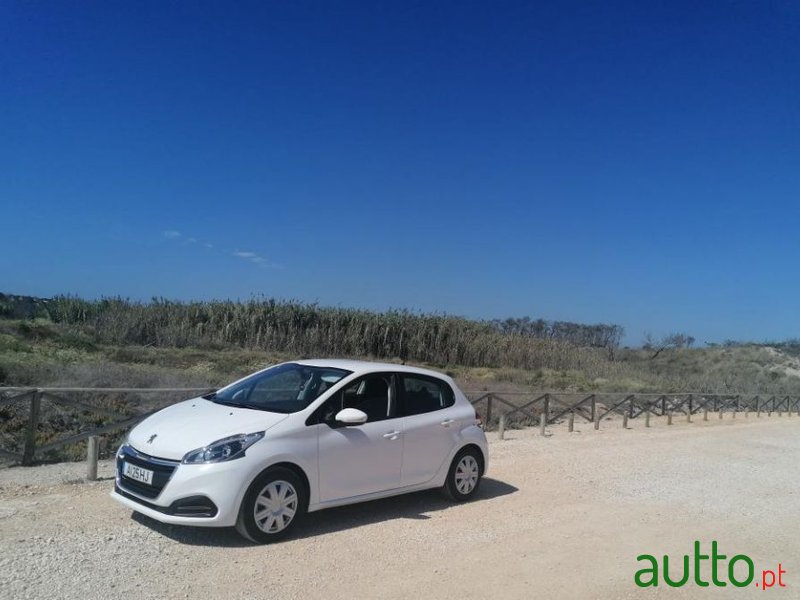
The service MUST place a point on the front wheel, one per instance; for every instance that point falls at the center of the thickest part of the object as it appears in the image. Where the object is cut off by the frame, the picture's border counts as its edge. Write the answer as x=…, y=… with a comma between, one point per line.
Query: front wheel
x=464, y=475
x=272, y=506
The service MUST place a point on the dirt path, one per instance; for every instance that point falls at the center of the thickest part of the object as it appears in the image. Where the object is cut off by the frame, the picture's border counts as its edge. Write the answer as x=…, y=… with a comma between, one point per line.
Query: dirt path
x=559, y=517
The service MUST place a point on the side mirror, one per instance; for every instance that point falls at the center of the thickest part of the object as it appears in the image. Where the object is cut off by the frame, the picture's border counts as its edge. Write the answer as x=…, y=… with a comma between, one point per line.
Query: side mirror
x=351, y=416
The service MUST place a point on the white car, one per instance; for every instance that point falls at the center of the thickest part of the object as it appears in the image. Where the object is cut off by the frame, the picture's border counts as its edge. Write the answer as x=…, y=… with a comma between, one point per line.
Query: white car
x=299, y=437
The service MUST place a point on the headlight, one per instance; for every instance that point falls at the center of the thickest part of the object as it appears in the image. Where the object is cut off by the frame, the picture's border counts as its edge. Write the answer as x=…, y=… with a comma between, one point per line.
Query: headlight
x=225, y=449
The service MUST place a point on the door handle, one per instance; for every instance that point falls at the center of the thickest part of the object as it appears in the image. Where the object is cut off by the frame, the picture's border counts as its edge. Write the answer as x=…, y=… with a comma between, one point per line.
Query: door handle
x=447, y=422
x=392, y=435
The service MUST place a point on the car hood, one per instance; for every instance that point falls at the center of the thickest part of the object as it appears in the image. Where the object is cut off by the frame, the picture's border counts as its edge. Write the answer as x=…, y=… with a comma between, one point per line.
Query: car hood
x=172, y=432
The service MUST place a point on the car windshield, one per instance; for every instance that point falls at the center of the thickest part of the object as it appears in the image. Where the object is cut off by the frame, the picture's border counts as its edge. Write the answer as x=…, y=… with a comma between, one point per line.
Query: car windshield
x=286, y=388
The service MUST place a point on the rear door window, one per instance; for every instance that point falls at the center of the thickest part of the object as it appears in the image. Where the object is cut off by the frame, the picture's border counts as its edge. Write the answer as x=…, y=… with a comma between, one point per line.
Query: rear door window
x=425, y=394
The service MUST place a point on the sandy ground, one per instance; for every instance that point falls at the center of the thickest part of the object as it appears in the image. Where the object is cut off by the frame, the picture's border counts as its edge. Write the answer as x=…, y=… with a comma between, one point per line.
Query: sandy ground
x=563, y=516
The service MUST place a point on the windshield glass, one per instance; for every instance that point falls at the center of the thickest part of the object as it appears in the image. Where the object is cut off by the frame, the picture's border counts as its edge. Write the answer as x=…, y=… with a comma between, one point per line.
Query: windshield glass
x=282, y=389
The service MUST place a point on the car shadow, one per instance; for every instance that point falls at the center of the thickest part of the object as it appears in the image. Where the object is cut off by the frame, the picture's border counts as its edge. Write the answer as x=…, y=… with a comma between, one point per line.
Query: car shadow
x=415, y=506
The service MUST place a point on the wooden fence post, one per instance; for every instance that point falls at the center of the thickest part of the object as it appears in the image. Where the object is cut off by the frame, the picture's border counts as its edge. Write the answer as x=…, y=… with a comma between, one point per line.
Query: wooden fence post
x=30, y=433
x=571, y=422
x=501, y=427
x=663, y=405
x=705, y=414
x=647, y=418
x=488, y=411
x=92, y=453
x=720, y=414
x=544, y=415
x=625, y=420
x=758, y=406
x=596, y=419
x=594, y=408
x=669, y=418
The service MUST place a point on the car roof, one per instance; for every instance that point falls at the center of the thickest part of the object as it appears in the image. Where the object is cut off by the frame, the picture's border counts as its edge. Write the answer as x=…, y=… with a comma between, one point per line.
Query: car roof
x=362, y=367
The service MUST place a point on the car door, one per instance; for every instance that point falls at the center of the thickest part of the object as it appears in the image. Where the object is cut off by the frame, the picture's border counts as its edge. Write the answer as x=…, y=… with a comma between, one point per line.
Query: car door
x=360, y=459
x=429, y=430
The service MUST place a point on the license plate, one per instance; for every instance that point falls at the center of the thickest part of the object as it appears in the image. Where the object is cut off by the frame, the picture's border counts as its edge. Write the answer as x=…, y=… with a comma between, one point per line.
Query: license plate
x=137, y=473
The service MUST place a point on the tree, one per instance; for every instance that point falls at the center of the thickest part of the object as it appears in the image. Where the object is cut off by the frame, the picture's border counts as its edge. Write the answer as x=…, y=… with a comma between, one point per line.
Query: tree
x=668, y=342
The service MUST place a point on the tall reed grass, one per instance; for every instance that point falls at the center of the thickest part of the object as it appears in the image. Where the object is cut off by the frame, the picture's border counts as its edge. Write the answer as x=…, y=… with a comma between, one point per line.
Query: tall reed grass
x=310, y=330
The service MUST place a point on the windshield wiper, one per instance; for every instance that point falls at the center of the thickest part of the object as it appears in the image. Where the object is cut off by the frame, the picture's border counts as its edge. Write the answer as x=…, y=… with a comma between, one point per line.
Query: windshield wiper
x=217, y=400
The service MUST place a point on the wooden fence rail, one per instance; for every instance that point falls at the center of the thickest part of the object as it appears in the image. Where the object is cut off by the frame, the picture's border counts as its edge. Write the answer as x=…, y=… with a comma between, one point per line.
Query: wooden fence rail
x=542, y=408
x=35, y=396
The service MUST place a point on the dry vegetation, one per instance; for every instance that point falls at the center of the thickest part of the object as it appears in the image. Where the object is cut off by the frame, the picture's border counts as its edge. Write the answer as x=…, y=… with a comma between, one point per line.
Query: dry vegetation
x=301, y=329
x=116, y=343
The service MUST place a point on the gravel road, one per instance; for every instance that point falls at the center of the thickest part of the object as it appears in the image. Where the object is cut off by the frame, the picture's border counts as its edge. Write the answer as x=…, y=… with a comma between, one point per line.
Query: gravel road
x=563, y=516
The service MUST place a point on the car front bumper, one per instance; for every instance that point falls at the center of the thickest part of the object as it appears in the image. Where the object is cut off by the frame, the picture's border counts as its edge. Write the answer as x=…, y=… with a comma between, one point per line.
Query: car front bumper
x=206, y=495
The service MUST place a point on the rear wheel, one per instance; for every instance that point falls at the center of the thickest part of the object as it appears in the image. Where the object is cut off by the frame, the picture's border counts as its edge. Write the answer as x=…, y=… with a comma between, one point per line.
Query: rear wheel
x=272, y=506
x=464, y=475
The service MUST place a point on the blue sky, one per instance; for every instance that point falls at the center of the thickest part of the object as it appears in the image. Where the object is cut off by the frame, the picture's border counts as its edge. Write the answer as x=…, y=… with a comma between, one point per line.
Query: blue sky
x=634, y=163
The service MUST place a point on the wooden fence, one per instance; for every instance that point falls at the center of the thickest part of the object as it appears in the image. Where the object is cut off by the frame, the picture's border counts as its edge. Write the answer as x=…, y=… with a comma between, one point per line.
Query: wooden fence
x=545, y=408
x=499, y=410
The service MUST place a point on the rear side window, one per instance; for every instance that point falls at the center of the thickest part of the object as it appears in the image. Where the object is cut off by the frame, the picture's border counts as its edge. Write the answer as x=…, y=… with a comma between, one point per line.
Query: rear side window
x=425, y=394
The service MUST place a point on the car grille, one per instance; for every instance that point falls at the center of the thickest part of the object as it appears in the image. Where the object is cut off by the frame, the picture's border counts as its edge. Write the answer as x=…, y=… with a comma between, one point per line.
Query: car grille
x=162, y=471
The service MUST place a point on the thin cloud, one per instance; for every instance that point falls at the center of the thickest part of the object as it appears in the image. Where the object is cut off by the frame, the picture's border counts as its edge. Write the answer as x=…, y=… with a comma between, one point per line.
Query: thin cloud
x=246, y=255
x=256, y=259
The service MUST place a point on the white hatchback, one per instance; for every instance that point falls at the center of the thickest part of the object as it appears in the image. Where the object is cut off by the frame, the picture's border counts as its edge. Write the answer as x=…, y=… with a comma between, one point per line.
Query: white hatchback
x=299, y=437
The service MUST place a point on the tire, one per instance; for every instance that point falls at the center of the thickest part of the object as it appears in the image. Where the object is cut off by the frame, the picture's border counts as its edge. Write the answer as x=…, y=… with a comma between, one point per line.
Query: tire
x=280, y=499
x=464, y=476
